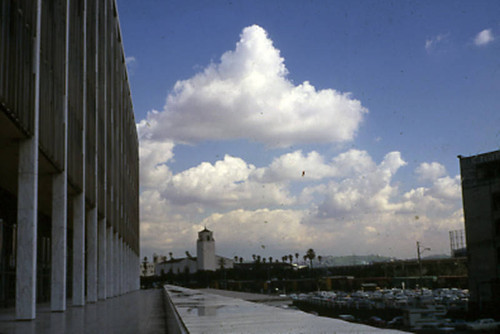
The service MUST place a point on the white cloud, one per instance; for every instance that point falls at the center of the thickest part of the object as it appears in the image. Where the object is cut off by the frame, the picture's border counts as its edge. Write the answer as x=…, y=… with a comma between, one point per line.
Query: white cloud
x=129, y=60
x=432, y=43
x=338, y=205
x=352, y=206
x=484, y=37
x=430, y=171
x=248, y=95
x=295, y=166
x=227, y=183
x=153, y=156
x=366, y=192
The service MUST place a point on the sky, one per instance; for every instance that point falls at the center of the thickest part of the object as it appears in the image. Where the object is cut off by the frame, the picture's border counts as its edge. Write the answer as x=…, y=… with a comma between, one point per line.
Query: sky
x=289, y=125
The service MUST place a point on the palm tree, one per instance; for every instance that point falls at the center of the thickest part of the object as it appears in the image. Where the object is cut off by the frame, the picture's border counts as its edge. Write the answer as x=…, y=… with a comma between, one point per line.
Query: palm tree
x=297, y=257
x=270, y=259
x=171, y=255
x=320, y=258
x=290, y=258
x=235, y=258
x=241, y=260
x=311, y=255
x=254, y=257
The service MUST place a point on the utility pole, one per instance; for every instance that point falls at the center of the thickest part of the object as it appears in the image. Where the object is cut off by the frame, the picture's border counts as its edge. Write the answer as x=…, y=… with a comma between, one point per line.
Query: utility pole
x=420, y=264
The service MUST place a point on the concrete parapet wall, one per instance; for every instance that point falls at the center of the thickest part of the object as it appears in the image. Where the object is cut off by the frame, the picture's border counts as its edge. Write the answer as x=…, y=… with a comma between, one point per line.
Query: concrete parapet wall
x=174, y=321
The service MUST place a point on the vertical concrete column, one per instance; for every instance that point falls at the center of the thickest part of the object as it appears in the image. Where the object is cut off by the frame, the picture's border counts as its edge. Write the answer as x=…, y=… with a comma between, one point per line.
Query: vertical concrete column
x=27, y=200
x=60, y=206
x=128, y=274
x=59, y=244
x=109, y=262
x=115, y=265
x=27, y=229
x=101, y=260
x=92, y=255
x=79, y=200
x=79, y=250
x=138, y=272
x=120, y=266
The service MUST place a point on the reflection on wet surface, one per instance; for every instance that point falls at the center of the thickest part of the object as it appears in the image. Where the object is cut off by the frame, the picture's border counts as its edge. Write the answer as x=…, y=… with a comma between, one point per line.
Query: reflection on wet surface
x=210, y=313
x=137, y=312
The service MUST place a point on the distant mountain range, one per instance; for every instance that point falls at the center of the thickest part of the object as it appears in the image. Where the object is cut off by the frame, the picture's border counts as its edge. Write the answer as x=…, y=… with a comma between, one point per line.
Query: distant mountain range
x=356, y=260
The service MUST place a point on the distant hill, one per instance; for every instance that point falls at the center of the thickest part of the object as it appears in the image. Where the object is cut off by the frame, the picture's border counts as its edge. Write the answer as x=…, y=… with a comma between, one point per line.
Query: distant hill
x=350, y=260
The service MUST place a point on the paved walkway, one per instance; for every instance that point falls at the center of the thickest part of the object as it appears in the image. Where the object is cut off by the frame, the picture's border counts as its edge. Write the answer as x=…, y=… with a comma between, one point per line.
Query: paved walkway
x=138, y=312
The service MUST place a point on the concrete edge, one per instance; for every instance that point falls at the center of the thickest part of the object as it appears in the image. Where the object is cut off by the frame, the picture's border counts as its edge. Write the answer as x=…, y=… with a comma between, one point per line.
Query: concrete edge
x=174, y=322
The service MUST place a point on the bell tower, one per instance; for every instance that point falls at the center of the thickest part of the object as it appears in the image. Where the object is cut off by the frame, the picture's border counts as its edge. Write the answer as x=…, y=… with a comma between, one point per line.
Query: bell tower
x=205, y=250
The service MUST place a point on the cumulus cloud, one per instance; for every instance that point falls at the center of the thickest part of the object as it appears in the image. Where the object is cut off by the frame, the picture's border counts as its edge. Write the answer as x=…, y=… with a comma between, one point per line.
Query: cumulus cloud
x=484, y=37
x=340, y=204
x=352, y=205
x=248, y=95
x=430, y=171
x=227, y=183
x=365, y=192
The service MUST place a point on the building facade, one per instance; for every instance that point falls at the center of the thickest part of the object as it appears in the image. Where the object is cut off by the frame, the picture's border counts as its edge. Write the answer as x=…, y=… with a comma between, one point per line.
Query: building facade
x=206, y=259
x=69, y=182
x=481, y=203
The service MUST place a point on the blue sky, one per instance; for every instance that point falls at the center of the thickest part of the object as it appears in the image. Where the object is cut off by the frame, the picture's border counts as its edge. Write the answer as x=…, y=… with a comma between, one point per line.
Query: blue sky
x=380, y=163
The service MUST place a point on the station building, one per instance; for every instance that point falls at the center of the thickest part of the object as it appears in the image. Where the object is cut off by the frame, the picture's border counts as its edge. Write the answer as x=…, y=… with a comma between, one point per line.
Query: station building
x=205, y=260
x=69, y=182
x=481, y=203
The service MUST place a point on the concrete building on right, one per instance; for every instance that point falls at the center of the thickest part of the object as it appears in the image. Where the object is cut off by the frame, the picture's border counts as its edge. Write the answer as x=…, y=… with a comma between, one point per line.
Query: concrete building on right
x=481, y=204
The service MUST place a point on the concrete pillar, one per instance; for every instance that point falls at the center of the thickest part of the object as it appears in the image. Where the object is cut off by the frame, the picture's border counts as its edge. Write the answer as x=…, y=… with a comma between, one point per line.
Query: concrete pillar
x=27, y=230
x=59, y=242
x=91, y=238
x=79, y=250
x=79, y=200
x=115, y=264
x=127, y=273
x=60, y=206
x=130, y=268
x=101, y=260
x=138, y=273
x=27, y=200
x=120, y=266
x=109, y=262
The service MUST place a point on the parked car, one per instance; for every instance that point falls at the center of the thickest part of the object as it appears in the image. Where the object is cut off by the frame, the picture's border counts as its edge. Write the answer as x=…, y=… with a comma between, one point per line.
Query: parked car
x=483, y=324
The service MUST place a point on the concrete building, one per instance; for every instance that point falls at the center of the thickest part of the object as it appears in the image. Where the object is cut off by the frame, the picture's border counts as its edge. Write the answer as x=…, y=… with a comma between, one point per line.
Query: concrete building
x=481, y=203
x=206, y=259
x=69, y=210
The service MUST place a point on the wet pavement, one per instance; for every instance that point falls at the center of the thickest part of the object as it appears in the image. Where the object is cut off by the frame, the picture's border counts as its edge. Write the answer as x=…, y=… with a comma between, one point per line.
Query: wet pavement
x=138, y=312
x=205, y=312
